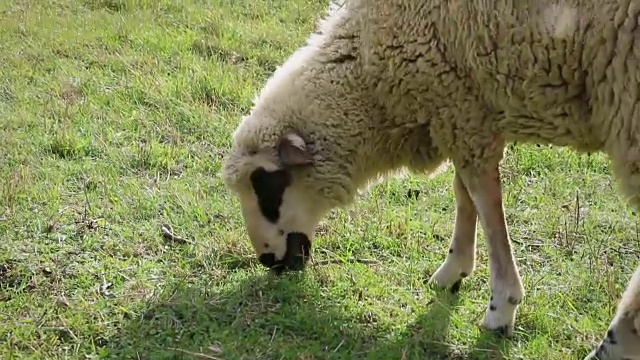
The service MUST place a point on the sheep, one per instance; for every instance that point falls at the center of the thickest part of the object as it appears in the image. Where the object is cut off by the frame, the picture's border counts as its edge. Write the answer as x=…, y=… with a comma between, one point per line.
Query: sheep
x=390, y=85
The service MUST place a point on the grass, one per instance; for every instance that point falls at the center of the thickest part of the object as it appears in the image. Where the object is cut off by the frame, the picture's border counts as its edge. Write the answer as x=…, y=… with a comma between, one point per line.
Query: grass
x=114, y=118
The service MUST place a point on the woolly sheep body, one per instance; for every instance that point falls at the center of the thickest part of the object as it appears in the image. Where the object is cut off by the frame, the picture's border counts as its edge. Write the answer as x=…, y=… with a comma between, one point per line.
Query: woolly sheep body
x=391, y=84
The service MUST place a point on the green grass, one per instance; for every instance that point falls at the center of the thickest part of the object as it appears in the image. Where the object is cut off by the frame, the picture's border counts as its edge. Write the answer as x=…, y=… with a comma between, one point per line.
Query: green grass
x=114, y=118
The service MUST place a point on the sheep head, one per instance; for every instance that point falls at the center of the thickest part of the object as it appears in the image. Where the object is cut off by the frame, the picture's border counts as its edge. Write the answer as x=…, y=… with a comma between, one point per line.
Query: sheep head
x=279, y=207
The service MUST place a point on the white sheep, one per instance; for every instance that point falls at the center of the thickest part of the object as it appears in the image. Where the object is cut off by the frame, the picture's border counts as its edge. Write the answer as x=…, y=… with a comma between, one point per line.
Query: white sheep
x=390, y=84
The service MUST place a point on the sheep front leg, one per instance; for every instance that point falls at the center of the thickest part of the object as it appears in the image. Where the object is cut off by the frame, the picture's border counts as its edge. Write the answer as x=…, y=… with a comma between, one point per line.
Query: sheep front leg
x=622, y=340
x=507, y=289
x=460, y=261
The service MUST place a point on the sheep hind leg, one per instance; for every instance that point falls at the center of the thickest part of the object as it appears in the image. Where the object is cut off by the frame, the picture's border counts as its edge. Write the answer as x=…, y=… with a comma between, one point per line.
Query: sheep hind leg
x=460, y=261
x=507, y=289
x=622, y=340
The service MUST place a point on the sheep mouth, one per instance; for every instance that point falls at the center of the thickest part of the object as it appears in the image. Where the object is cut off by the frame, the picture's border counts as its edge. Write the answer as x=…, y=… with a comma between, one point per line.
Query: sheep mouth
x=296, y=256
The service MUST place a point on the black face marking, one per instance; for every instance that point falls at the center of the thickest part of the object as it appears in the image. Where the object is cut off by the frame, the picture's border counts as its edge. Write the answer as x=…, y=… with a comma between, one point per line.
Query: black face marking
x=513, y=301
x=269, y=187
x=295, y=258
x=298, y=248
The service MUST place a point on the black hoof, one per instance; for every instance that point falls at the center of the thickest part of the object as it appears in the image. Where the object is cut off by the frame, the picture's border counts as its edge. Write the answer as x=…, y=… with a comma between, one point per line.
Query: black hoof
x=502, y=331
x=592, y=356
x=455, y=288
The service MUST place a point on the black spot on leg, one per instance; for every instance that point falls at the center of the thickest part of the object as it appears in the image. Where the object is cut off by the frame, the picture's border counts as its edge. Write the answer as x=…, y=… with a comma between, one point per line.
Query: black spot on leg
x=492, y=307
x=450, y=250
x=611, y=337
x=491, y=298
x=463, y=275
x=600, y=350
x=269, y=187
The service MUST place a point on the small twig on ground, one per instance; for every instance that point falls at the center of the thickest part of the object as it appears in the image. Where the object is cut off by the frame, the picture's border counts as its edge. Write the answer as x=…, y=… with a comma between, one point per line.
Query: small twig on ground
x=195, y=354
x=339, y=345
x=348, y=260
x=167, y=233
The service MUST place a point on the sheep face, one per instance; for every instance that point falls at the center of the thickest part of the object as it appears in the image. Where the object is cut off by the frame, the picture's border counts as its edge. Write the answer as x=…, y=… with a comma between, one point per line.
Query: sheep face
x=279, y=209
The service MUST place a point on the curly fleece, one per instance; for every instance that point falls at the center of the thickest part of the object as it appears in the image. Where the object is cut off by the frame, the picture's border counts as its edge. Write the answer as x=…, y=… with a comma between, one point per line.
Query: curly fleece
x=387, y=84
x=391, y=84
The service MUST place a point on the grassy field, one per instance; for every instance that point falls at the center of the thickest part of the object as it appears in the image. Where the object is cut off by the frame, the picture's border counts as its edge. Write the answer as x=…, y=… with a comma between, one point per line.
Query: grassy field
x=114, y=118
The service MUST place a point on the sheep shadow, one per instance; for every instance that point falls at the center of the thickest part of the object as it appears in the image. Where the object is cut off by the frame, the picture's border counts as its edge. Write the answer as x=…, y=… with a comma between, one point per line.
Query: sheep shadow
x=427, y=336
x=286, y=317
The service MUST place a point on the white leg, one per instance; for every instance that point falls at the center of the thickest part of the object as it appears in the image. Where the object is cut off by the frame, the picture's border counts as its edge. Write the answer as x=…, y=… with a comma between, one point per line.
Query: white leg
x=460, y=261
x=622, y=340
x=507, y=289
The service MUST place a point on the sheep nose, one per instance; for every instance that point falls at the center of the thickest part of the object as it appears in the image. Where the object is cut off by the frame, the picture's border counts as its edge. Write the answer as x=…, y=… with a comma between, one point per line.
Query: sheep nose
x=298, y=248
x=268, y=259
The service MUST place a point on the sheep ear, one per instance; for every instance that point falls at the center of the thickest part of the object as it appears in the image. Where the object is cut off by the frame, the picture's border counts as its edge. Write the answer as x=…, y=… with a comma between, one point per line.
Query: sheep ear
x=292, y=151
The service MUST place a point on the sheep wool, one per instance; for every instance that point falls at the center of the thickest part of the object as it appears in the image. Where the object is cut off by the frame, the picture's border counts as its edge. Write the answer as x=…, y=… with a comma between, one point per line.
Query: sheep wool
x=390, y=85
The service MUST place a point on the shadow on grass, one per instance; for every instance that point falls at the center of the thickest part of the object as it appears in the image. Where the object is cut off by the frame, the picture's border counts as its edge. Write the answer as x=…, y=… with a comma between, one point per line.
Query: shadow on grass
x=428, y=336
x=287, y=317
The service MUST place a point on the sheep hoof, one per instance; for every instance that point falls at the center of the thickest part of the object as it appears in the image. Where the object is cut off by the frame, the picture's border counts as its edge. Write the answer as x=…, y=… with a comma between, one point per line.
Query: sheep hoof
x=499, y=320
x=453, y=288
x=592, y=356
x=503, y=331
x=450, y=274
